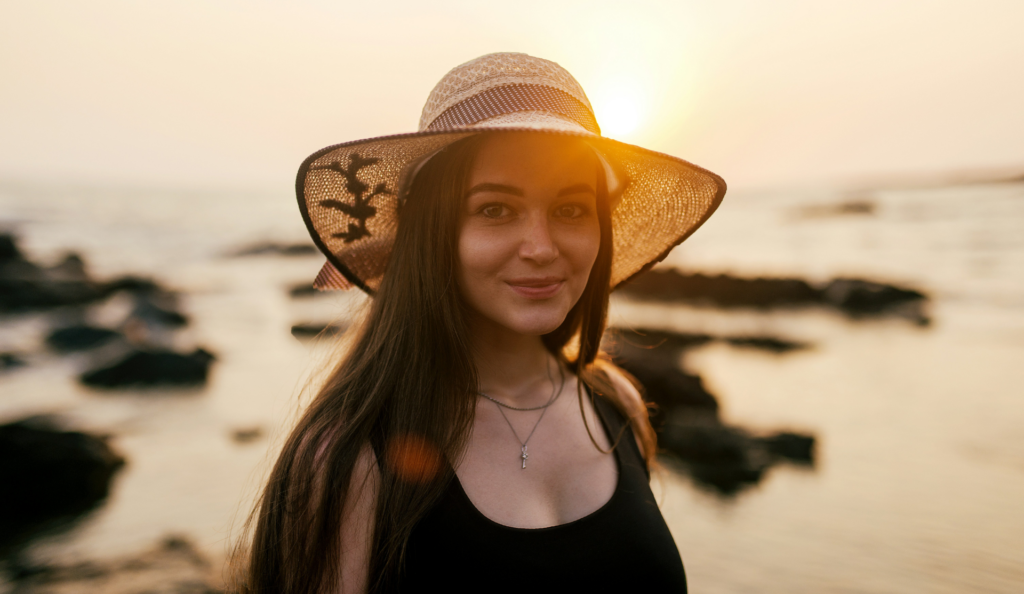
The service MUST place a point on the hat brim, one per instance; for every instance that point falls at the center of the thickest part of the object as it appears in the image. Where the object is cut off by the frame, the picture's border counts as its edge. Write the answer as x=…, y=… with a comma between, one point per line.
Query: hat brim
x=348, y=197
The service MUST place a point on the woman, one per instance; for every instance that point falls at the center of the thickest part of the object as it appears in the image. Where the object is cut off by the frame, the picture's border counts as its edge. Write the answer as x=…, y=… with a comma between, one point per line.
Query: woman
x=471, y=438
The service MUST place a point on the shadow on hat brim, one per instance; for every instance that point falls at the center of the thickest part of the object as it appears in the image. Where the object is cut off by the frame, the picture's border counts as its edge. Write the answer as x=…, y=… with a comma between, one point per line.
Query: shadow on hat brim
x=349, y=197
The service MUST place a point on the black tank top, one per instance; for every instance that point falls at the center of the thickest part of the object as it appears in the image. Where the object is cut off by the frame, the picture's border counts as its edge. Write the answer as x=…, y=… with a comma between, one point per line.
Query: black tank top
x=624, y=546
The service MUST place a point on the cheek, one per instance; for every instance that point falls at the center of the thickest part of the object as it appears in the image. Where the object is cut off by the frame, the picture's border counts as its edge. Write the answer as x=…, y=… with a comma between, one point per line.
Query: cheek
x=481, y=254
x=581, y=248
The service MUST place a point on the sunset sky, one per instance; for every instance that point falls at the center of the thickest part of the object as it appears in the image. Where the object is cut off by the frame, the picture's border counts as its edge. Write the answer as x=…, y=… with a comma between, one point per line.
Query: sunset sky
x=236, y=93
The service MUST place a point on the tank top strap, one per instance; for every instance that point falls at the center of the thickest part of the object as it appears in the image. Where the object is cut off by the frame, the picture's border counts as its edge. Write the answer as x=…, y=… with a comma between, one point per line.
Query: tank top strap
x=614, y=423
x=609, y=415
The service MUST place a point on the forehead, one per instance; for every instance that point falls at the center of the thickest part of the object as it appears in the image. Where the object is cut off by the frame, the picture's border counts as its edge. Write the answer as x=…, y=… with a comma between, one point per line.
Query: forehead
x=533, y=158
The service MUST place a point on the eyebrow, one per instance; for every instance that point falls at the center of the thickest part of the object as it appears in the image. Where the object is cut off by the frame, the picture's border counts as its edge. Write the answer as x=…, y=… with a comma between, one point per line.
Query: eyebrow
x=514, y=191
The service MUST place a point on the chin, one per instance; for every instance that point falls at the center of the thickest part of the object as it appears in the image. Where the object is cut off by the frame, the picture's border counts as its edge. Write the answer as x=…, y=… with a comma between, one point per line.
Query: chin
x=528, y=318
x=535, y=323
x=536, y=329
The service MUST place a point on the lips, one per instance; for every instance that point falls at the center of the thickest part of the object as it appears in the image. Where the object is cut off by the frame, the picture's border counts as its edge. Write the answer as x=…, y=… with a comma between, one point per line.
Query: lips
x=536, y=287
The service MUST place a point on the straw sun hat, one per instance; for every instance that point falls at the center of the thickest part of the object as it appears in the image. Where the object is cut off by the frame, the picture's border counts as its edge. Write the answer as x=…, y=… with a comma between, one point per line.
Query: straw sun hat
x=349, y=193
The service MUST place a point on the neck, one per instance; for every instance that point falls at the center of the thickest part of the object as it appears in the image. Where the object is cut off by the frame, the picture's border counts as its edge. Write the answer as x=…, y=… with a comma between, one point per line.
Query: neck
x=514, y=368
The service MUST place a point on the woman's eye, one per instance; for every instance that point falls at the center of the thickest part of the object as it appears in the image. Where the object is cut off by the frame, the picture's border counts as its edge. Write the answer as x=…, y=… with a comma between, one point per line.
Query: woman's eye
x=494, y=211
x=570, y=211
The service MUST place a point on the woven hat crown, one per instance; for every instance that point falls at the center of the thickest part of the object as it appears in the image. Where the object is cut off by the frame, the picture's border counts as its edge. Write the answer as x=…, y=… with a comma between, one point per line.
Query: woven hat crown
x=492, y=72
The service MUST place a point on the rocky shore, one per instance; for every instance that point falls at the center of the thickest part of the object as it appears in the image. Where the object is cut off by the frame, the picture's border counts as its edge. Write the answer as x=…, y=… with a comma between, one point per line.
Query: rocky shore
x=27, y=286
x=720, y=457
x=137, y=352
x=52, y=476
x=855, y=298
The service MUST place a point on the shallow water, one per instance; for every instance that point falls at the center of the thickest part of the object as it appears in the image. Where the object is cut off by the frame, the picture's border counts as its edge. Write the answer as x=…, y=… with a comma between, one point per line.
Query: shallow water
x=920, y=468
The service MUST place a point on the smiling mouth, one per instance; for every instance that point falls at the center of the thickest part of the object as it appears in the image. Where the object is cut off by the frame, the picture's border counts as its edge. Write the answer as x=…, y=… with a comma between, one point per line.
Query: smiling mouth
x=541, y=288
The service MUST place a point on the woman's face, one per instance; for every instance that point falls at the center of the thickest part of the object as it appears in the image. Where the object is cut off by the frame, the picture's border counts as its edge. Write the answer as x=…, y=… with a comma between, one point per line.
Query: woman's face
x=529, y=230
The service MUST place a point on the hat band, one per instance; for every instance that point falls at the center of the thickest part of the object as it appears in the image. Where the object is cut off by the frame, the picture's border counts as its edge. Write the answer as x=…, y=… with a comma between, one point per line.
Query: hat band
x=512, y=99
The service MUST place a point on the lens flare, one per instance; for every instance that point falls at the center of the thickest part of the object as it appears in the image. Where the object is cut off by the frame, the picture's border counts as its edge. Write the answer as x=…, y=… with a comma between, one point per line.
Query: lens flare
x=412, y=458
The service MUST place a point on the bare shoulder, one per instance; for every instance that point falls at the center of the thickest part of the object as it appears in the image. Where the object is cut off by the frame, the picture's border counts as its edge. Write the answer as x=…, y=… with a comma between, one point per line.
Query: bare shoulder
x=366, y=473
x=357, y=521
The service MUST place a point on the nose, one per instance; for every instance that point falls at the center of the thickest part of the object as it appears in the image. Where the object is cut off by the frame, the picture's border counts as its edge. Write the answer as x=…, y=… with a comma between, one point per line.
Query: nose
x=537, y=243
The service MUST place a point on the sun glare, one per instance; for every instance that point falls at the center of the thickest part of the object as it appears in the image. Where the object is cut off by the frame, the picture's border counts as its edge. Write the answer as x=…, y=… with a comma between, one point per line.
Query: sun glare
x=619, y=108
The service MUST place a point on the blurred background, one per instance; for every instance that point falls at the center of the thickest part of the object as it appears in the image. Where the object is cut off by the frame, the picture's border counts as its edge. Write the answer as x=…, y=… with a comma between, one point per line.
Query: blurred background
x=847, y=330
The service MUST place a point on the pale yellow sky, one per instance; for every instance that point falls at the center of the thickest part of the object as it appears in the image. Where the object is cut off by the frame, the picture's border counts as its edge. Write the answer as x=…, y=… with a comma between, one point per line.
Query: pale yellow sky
x=237, y=93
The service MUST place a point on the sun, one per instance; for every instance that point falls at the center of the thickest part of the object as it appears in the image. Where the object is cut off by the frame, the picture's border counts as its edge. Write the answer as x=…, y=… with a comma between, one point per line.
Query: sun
x=619, y=108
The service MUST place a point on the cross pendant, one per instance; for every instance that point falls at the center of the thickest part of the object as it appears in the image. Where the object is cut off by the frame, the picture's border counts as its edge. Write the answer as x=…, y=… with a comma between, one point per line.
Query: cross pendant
x=524, y=457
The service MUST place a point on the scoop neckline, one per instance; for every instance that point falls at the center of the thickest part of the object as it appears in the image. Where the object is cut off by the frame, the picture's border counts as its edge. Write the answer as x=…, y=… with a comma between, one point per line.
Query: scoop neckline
x=600, y=510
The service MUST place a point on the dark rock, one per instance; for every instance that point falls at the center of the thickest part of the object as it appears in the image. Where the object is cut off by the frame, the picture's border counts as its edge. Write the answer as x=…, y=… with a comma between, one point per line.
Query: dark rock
x=706, y=442
x=133, y=284
x=148, y=368
x=864, y=298
x=310, y=330
x=47, y=473
x=726, y=480
x=766, y=343
x=80, y=338
x=855, y=207
x=303, y=290
x=728, y=459
x=9, y=248
x=672, y=344
x=854, y=297
x=794, y=447
x=668, y=387
x=278, y=249
x=70, y=269
x=26, y=286
x=718, y=457
x=247, y=435
x=11, y=361
x=722, y=290
x=847, y=208
x=152, y=313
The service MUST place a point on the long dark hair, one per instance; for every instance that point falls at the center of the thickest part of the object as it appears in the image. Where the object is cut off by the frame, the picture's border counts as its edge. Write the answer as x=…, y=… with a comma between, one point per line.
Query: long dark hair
x=408, y=378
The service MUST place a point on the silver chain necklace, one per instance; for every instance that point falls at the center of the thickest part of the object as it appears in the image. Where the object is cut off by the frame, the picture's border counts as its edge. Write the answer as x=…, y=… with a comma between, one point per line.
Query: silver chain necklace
x=527, y=409
x=554, y=396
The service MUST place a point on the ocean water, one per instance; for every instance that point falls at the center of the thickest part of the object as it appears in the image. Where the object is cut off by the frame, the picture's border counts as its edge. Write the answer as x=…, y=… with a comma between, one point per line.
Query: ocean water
x=919, y=475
